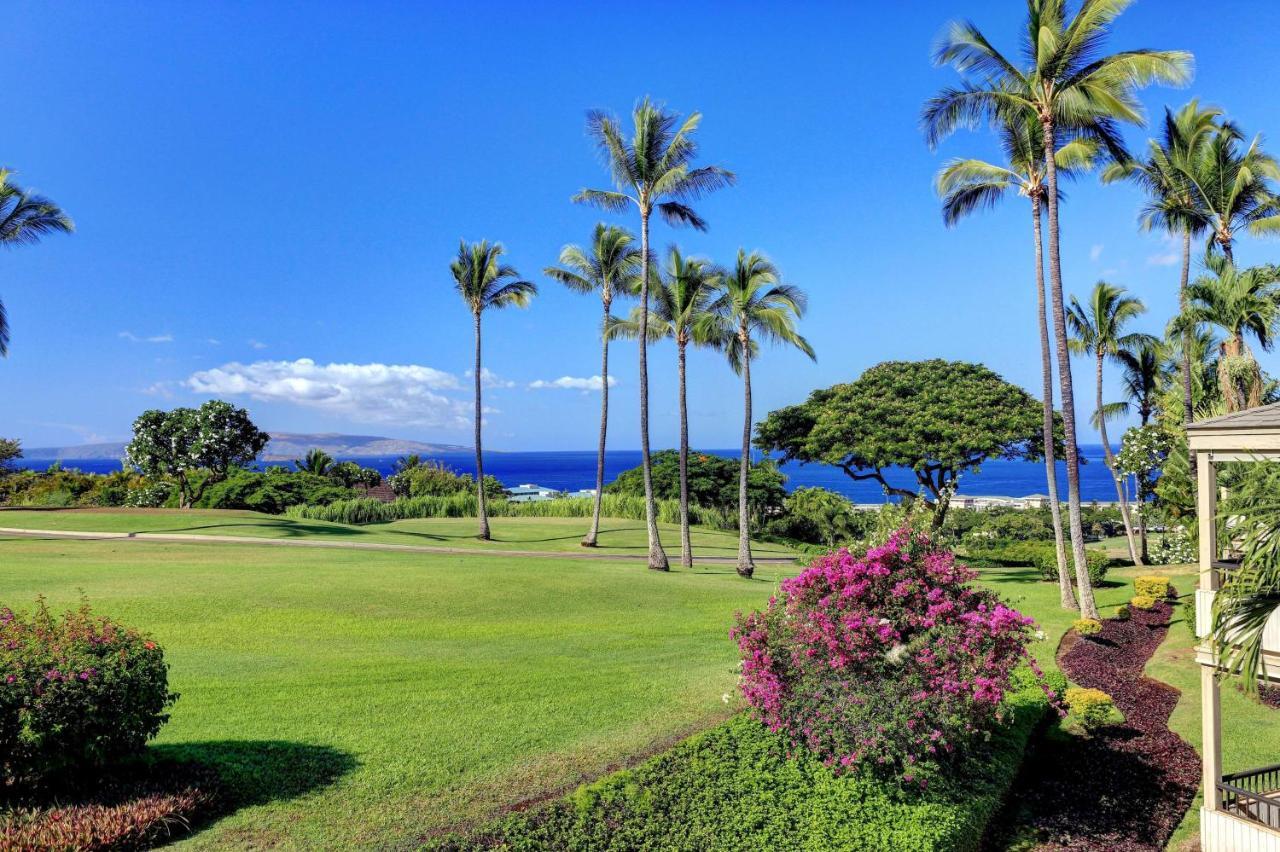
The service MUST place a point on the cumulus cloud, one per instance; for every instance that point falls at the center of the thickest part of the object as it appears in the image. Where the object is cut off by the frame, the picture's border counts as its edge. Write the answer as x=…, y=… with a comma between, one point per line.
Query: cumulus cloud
x=1169, y=254
x=592, y=383
x=407, y=394
x=155, y=338
x=257, y=344
x=490, y=379
x=1096, y=251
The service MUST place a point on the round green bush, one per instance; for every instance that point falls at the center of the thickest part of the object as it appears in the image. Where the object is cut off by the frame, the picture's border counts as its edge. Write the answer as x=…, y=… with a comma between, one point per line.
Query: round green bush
x=1046, y=562
x=1087, y=626
x=76, y=692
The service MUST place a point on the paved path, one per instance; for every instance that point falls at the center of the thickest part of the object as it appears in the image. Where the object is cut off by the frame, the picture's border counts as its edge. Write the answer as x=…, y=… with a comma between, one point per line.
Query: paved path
x=195, y=538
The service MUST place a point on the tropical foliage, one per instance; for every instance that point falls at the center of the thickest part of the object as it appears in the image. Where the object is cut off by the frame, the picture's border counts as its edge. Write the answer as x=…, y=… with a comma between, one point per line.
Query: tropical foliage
x=25, y=218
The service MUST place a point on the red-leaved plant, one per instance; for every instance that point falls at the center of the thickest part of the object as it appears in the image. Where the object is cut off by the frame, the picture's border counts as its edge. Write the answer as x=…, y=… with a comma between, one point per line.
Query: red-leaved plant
x=891, y=660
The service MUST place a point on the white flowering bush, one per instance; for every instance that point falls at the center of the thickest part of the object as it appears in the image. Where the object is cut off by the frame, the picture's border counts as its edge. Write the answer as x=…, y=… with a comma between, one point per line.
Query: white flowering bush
x=1175, y=547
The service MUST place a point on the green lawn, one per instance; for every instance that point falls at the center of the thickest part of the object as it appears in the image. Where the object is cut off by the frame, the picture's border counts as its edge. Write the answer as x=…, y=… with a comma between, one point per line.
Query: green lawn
x=368, y=698
x=550, y=534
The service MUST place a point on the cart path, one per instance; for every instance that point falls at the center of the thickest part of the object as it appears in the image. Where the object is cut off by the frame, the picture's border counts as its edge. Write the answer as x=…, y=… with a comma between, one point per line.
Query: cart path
x=196, y=538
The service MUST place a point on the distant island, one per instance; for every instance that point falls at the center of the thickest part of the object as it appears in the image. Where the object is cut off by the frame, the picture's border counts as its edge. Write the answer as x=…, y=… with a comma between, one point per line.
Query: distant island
x=284, y=446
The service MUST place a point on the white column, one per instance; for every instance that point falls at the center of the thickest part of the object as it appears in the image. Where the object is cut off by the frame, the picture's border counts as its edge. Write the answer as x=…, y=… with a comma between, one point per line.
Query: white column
x=1211, y=742
x=1206, y=515
x=1210, y=698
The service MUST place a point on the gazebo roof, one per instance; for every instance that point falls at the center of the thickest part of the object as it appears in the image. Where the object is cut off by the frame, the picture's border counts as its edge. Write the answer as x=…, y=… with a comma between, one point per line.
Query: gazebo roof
x=1265, y=417
x=1246, y=435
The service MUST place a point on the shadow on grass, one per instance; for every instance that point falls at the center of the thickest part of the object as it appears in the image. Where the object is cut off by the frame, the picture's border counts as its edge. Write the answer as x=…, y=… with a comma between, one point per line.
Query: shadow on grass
x=255, y=772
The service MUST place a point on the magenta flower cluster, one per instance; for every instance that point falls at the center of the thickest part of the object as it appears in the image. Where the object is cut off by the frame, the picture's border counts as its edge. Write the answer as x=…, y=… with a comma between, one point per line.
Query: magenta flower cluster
x=889, y=660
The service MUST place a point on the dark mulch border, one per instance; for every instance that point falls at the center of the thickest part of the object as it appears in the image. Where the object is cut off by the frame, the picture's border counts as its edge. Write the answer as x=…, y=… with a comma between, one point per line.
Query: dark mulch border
x=1126, y=788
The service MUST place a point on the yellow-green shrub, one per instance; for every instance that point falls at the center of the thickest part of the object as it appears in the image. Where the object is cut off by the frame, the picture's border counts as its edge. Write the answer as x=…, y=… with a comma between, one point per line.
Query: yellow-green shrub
x=1090, y=707
x=1152, y=586
x=1122, y=612
x=1142, y=602
x=1087, y=626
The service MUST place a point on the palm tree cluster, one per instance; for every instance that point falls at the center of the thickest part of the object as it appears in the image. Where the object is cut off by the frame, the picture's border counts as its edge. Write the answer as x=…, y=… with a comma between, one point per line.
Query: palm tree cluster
x=1057, y=107
x=689, y=300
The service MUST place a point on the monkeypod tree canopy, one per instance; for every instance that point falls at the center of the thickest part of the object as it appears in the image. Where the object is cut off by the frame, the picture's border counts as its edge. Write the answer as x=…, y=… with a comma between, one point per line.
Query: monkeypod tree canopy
x=937, y=418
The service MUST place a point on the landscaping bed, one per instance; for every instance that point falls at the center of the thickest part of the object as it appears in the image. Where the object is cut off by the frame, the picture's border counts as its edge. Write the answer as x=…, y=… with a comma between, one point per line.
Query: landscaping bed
x=1128, y=785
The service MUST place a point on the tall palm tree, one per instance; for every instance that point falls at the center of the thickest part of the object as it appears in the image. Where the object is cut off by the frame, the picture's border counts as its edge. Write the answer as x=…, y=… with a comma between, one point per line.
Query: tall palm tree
x=486, y=283
x=682, y=300
x=316, y=461
x=654, y=172
x=1234, y=187
x=1143, y=377
x=1098, y=329
x=754, y=306
x=610, y=267
x=25, y=218
x=1068, y=84
x=1241, y=303
x=1173, y=204
x=967, y=185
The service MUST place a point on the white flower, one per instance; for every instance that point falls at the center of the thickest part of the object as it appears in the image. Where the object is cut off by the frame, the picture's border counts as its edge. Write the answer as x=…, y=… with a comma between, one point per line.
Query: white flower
x=1040, y=635
x=725, y=698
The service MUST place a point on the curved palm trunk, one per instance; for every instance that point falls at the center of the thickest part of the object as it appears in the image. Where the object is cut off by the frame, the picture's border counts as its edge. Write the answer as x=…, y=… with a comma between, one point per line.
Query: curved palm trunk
x=594, y=532
x=746, y=567
x=1188, y=405
x=657, y=556
x=482, y=510
x=1066, y=596
x=686, y=547
x=1121, y=496
x=1088, y=607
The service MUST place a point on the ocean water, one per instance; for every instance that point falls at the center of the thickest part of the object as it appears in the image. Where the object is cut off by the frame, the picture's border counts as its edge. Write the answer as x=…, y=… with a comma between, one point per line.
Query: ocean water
x=574, y=469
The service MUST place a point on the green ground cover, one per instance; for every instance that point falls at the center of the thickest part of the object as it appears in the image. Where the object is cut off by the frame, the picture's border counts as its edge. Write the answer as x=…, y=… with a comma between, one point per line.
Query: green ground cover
x=365, y=697
x=620, y=537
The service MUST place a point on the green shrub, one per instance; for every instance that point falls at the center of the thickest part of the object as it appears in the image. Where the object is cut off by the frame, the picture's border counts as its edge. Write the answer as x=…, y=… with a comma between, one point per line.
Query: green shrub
x=735, y=787
x=1143, y=602
x=1096, y=562
x=1122, y=612
x=1087, y=626
x=273, y=491
x=1011, y=553
x=1091, y=708
x=1152, y=587
x=76, y=692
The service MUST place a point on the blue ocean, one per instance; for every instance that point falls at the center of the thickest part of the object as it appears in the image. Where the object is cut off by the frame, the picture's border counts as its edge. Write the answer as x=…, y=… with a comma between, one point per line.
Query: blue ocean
x=575, y=469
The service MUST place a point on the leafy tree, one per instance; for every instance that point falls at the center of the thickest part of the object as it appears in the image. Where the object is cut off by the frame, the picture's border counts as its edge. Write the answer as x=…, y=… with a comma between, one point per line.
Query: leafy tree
x=434, y=478
x=10, y=451
x=682, y=300
x=24, y=219
x=939, y=419
x=653, y=171
x=1098, y=329
x=968, y=185
x=316, y=461
x=712, y=483
x=486, y=283
x=823, y=516
x=214, y=438
x=272, y=491
x=349, y=475
x=611, y=267
x=1068, y=83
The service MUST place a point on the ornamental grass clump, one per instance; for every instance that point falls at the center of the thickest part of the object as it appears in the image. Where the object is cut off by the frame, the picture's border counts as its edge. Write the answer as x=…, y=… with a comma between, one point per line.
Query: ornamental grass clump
x=891, y=661
x=77, y=692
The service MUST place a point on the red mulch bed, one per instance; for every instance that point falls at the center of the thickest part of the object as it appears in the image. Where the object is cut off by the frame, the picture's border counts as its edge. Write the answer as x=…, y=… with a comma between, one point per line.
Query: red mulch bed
x=1127, y=787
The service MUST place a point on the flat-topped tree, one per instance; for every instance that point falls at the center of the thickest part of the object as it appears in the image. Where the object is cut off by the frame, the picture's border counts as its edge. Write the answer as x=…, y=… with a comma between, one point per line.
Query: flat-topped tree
x=940, y=419
x=653, y=171
x=24, y=219
x=212, y=439
x=486, y=283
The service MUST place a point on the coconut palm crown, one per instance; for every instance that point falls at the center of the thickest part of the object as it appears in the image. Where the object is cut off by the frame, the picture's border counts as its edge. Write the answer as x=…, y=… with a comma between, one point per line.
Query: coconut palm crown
x=25, y=219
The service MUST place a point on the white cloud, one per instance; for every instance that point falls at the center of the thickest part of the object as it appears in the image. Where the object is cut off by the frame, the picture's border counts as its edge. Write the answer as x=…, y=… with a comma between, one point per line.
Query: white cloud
x=384, y=393
x=1096, y=251
x=1169, y=254
x=155, y=338
x=257, y=344
x=490, y=379
x=594, y=383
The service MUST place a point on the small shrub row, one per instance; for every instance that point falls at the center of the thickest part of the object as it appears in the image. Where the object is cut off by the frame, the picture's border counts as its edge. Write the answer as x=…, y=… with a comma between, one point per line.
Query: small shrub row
x=1096, y=562
x=1041, y=555
x=1143, y=602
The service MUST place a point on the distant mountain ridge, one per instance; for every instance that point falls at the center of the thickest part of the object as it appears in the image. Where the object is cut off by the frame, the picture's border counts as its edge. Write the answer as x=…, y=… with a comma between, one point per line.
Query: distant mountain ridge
x=284, y=446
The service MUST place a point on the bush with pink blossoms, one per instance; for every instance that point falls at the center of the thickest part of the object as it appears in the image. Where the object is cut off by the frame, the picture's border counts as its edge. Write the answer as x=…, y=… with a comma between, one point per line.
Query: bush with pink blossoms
x=890, y=661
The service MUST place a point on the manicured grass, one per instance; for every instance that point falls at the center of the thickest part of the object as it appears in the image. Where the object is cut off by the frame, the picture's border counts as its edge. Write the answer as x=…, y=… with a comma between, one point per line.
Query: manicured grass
x=623, y=537
x=357, y=698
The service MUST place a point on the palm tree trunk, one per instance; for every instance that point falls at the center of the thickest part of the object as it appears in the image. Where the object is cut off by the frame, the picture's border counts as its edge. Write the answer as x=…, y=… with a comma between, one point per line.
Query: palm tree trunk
x=657, y=556
x=1227, y=250
x=745, y=565
x=686, y=547
x=594, y=532
x=1088, y=607
x=1066, y=596
x=481, y=509
x=1188, y=405
x=1121, y=497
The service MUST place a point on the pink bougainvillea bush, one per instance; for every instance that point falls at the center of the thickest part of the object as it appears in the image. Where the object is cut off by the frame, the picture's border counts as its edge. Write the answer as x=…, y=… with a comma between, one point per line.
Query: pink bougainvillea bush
x=890, y=660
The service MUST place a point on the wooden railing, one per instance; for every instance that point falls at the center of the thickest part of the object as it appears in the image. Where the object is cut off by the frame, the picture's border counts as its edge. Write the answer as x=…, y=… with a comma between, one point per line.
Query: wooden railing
x=1253, y=794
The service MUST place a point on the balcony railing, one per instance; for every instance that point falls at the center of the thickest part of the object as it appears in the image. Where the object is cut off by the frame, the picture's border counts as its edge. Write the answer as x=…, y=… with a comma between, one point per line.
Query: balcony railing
x=1253, y=795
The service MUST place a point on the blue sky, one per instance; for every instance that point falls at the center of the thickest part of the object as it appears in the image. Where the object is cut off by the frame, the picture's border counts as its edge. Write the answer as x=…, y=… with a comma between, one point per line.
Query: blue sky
x=256, y=185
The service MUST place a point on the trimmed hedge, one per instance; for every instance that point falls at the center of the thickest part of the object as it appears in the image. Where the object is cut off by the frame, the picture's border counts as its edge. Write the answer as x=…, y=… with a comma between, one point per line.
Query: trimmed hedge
x=735, y=788
x=1039, y=554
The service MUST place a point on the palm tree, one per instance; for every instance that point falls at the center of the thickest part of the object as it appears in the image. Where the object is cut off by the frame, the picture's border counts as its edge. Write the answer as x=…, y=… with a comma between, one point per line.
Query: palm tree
x=316, y=461
x=1143, y=377
x=1069, y=84
x=968, y=185
x=1098, y=329
x=407, y=462
x=1233, y=187
x=486, y=283
x=653, y=171
x=24, y=219
x=609, y=268
x=681, y=306
x=755, y=305
x=1241, y=303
